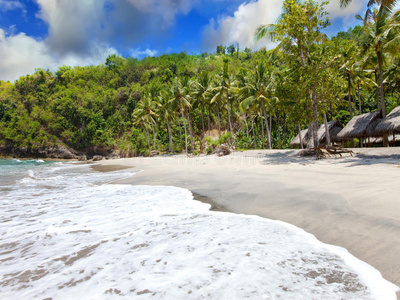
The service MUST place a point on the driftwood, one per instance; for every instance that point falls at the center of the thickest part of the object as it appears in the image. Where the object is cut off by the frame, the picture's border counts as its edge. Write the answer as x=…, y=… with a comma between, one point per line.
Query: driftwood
x=325, y=151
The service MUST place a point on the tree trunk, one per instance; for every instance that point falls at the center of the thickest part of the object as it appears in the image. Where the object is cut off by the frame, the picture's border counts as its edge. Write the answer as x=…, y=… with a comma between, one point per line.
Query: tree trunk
x=278, y=131
x=219, y=123
x=262, y=133
x=148, y=137
x=229, y=114
x=267, y=127
x=184, y=126
x=301, y=140
x=190, y=131
x=377, y=92
x=247, y=130
x=314, y=123
x=209, y=120
x=180, y=134
x=359, y=99
x=169, y=134
x=154, y=136
x=254, y=134
x=327, y=134
x=349, y=87
x=270, y=127
x=382, y=94
x=202, y=117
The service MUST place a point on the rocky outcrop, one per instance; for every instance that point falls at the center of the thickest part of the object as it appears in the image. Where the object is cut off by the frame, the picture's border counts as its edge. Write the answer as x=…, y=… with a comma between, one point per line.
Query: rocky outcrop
x=56, y=152
x=59, y=151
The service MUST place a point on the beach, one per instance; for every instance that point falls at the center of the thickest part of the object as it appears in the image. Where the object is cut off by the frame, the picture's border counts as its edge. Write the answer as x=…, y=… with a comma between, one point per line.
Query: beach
x=349, y=201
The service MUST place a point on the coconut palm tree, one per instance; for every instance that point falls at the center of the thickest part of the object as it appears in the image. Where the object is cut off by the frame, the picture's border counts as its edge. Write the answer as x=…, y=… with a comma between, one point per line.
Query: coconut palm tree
x=258, y=90
x=165, y=112
x=215, y=96
x=225, y=86
x=200, y=88
x=380, y=38
x=145, y=115
x=388, y=4
x=181, y=100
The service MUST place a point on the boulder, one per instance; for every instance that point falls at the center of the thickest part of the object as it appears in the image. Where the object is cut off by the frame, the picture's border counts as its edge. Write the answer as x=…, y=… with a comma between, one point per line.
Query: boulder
x=97, y=158
x=223, y=150
x=82, y=158
x=113, y=155
x=153, y=153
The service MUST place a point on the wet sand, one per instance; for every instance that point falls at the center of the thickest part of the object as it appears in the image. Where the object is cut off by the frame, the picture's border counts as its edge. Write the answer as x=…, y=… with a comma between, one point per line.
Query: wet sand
x=353, y=202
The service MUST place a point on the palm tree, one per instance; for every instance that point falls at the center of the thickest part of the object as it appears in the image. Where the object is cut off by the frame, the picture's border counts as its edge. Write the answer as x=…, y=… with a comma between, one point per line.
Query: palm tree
x=164, y=110
x=216, y=95
x=380, y=38
x=145, y=115
x=258, y=90
x=201, y=86
x=180, y=100
x=388, y=4
x=225, y=85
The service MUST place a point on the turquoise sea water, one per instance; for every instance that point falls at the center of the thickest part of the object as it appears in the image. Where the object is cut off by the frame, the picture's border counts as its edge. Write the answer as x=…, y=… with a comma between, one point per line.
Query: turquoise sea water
x=12, y=170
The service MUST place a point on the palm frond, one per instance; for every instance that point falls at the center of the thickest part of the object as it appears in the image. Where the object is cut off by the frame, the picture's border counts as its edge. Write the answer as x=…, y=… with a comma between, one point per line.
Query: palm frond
x=265, y=31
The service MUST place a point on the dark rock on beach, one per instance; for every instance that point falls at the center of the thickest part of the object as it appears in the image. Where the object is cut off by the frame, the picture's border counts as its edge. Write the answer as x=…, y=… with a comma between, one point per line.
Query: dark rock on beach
x=56, y=152
x=97, y=158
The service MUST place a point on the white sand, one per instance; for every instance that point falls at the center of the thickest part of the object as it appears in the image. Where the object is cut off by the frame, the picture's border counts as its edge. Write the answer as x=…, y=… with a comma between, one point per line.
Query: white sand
x=353, y=202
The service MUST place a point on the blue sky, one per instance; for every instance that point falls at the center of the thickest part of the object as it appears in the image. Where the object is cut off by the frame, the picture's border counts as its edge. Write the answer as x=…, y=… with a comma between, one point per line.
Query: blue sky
x=50, y=33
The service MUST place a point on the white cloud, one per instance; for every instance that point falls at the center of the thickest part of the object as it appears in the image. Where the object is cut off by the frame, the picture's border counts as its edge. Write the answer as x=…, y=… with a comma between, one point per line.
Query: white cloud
x=240, y=27
x=21, y=55
x=11, y=5
x=71, y=24
x=137, y=53
x=347, y=14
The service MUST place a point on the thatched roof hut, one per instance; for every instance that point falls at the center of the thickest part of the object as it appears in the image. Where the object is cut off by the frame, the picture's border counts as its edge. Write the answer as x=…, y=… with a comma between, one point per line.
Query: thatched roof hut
x=371, y=129
x=391, y=124
x=304, y=137
x=357, y=127
x=393, y=141
x=334, y=128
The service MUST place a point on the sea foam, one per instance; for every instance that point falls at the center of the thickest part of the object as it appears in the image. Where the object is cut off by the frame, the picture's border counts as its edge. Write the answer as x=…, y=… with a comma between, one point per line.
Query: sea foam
x=68, y=236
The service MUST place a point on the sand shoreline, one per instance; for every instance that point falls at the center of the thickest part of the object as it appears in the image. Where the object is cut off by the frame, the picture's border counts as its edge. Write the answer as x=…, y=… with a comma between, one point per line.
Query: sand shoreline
x=351, y=202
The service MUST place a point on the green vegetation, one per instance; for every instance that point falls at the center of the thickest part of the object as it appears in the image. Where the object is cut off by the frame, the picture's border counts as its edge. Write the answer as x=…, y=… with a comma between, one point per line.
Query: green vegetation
x=172, y=102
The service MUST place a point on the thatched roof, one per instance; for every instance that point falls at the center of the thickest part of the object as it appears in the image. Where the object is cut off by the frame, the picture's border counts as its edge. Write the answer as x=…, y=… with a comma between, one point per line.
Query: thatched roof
x=334, y=128
x=304, y=137
x=357, y=127
x=391, y=123
x=334, y=134
x=371, y=129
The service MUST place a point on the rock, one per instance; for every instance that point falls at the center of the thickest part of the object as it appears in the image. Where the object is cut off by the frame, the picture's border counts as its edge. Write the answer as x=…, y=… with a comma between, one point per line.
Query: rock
x=60, y=152
x=223, y=150
x=82, y=158
x=97, y=157
x=113, y=155
x=153, y=153
x=56, y=152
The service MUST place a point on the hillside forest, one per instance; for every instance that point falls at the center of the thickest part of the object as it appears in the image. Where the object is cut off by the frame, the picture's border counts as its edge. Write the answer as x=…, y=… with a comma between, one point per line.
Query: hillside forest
x=173, y=103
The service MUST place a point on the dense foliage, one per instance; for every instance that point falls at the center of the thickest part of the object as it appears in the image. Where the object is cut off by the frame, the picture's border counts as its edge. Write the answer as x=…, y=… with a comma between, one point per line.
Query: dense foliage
x=172, y=102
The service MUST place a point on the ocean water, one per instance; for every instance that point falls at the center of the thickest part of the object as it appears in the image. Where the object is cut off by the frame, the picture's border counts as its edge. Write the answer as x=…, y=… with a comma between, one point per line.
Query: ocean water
x=67, y=233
